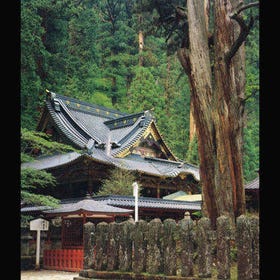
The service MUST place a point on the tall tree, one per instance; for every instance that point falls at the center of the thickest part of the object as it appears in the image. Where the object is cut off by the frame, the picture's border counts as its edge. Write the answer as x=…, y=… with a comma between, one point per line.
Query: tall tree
x=218, y=105
x=210, y=40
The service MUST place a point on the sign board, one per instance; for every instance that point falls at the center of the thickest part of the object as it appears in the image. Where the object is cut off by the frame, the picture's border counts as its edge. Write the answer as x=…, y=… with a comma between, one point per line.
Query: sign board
x=39, y=224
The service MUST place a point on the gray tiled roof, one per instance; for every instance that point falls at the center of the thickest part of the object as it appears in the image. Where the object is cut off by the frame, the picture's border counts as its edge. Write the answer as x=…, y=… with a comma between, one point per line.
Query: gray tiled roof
x=113, y=204
x=89, y=127
x=253, y=185
x=47, y=162
x=156, y=167
x=81, y=122
x=87, y=205
x=26, y=209
x=148, y=202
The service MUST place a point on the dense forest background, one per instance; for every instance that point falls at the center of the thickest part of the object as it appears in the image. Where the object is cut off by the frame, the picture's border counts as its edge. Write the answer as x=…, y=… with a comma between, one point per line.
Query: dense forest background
x=89, y=50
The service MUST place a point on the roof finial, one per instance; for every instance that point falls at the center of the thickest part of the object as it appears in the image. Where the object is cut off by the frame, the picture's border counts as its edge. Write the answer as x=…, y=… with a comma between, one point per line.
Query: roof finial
x=51, y=94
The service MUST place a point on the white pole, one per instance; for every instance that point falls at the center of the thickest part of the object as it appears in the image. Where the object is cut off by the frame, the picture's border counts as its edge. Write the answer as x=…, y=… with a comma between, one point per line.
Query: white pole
x=135, y=193
x=37, y=266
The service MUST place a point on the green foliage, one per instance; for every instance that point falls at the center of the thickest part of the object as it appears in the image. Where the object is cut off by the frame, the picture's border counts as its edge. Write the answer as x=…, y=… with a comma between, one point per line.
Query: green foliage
x=33, y=178
x=119, y=182
x=34, y=56
x=34, y=141
x=192, y=156
x=251, y=130
x=145, y=93
x=33, y=181
x=89, y=50
x=197, y=214
x=101, y=99
x=251, y=152
x=39, y=199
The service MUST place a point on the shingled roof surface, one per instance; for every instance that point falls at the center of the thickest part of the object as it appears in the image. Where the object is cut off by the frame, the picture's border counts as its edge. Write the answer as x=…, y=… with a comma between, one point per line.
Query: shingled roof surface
x=87, y=205
x=148, y=202
x=155, y=167
x=112, y=204
x=253, y=185
x=90, y=127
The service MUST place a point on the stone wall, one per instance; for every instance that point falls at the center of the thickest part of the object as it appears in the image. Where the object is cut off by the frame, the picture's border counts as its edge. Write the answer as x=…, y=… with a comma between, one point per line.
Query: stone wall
x=174, y=249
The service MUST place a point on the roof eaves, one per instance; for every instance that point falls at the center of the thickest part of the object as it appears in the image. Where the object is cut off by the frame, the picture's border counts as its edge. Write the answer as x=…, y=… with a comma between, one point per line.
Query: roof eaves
x=48, y=162
x=66, y=130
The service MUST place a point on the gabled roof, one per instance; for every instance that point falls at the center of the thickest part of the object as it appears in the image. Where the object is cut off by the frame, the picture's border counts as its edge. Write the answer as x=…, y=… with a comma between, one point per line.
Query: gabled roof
x=91, y=127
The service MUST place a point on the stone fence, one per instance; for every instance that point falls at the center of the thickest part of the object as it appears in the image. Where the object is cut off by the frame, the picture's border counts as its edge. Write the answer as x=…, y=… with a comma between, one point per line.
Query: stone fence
x=183, y=249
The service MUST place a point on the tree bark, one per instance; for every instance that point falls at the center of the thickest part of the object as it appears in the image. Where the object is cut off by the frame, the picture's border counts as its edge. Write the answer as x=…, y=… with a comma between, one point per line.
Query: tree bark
x=217, y=89
x=192, y=123
x=140, y=41
x=201, y=84
x=229, y=81
x=141, y=46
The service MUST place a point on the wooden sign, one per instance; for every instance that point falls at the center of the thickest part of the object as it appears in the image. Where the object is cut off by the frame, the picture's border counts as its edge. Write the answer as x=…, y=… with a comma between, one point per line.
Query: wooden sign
x=39, y=224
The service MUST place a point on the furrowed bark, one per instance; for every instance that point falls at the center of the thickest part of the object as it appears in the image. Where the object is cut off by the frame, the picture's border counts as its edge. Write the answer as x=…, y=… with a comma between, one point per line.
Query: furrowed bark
x=217, y=94
x=229, y=87
x=201, y=84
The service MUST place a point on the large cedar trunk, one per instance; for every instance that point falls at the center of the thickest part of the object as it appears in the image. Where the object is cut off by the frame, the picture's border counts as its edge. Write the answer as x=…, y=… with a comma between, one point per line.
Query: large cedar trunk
x=217, y=88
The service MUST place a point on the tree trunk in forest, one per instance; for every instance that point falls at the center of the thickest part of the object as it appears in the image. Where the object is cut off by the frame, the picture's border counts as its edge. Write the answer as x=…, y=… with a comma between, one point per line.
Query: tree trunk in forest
x=141, y=46
x=140, y=41
x=217, y=79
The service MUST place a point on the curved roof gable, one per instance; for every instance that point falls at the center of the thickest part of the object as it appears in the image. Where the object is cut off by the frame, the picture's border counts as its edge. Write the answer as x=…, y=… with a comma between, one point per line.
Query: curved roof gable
x=92, y=126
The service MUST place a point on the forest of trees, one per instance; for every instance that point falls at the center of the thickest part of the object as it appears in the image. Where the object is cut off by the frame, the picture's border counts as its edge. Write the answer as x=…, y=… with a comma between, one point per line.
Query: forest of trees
x=113, y=54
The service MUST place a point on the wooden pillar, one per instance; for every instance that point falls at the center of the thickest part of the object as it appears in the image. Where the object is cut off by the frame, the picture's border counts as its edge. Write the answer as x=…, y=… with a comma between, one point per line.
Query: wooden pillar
x=158, y=192
x=84, y=218
x=62, y=231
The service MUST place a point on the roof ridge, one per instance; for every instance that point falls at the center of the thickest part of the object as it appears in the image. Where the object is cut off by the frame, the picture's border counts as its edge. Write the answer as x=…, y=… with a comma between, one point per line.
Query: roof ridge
x=130, y=116
x=82, y=102
x=144, y=125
